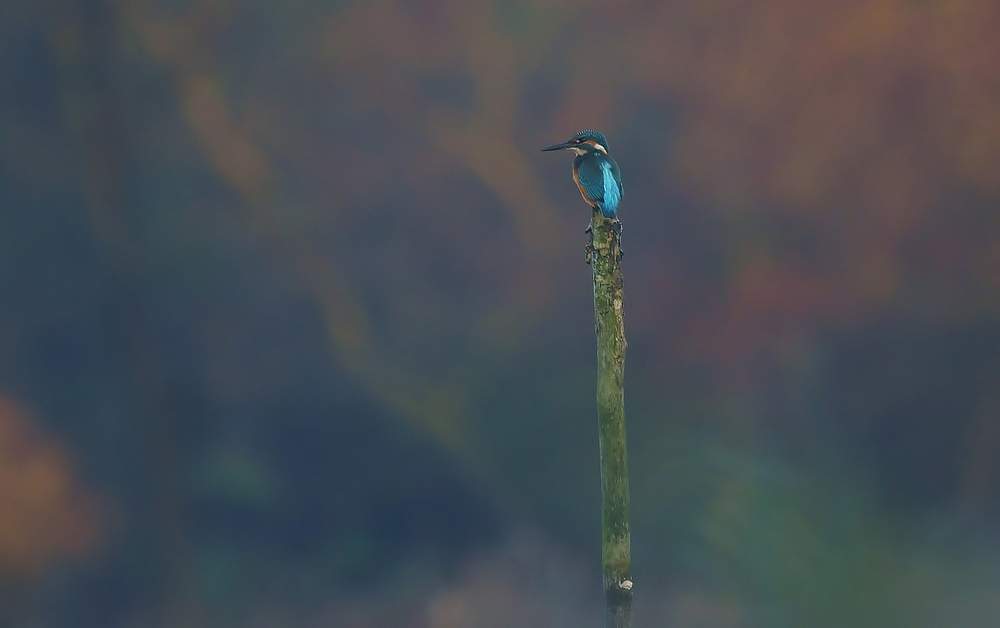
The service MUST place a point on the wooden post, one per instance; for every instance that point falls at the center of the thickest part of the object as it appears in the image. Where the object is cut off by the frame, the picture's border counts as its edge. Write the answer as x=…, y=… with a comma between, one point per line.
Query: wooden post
x=604, y=255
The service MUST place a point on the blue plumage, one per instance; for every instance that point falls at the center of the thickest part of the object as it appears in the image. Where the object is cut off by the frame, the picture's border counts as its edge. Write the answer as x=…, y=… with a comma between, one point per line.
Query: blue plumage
x=595, y=173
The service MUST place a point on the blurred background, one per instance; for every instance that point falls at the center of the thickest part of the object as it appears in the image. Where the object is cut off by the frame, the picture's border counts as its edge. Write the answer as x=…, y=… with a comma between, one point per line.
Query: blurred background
x=296, y=329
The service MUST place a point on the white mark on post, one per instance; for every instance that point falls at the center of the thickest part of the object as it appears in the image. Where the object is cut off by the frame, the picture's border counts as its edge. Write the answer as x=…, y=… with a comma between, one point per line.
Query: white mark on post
x=625, y=584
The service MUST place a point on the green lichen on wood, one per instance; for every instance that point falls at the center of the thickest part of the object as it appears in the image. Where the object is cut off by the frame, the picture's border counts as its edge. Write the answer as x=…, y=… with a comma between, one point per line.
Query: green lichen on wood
x=604, y=255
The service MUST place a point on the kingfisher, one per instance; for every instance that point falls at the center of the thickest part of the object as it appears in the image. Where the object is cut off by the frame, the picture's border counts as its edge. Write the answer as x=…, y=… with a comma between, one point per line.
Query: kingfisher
x=595, y=173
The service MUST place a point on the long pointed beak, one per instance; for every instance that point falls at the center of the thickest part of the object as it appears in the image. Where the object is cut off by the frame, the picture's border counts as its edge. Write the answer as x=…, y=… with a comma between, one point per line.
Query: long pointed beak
x=558, y=146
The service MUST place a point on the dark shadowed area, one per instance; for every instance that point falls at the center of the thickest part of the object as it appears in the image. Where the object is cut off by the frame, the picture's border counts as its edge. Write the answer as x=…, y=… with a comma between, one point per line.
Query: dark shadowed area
x=296, y=330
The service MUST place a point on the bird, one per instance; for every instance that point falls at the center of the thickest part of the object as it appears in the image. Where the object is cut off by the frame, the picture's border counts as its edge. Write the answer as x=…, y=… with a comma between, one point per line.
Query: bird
x=595, y=172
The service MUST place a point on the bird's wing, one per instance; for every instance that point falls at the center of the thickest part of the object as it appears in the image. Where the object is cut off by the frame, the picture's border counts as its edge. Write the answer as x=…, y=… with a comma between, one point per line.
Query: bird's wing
x=612, y=189
x=618, y=178
x=591, y=179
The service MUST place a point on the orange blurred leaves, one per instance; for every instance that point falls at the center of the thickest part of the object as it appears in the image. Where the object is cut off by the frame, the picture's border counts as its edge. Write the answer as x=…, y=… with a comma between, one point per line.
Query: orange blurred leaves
x=234, y=156
x=859, y=120
x=44, y=513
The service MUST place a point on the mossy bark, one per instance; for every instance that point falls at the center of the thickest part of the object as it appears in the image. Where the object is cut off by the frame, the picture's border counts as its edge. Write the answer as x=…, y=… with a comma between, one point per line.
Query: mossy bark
x=604, y=255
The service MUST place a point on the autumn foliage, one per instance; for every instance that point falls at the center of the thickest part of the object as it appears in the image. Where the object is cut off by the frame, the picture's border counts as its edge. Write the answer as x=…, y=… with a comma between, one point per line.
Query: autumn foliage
x=47, y=515
x=247, y=248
